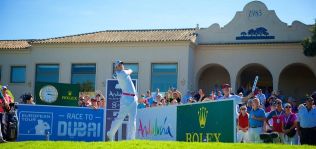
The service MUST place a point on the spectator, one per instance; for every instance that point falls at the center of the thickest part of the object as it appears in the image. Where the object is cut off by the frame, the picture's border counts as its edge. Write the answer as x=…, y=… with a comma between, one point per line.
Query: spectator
x=307, y=122
x=249, y=106
x=243, y=125
x=294, y=106
x=177, y=96
x=100, y=99
x=167, y=97
x=154, y=104
x=27, y=99
x=213, y=95
x=157, y=93
x=314, y=96
x=185, y=99
x=281, y=96
x=102, y=103
x=5, y=100
x=163, y=102
x=207, y=99
x=241, y=95
x=269, y=102
x=174, y=102
x=219, y=94
x=158, y=98
x=86, y=101
x=227, y=95
x=94, y=103
x=289, y=125
x=149, y=97
x=256, y=121
x=141, y=102
x=1, y=125
x=270, y=122
x=201, y=95
x=81, y=100
x=274, y=93
x=170, y=96
x=192, y=100
x=277, y=125
x=261, y=97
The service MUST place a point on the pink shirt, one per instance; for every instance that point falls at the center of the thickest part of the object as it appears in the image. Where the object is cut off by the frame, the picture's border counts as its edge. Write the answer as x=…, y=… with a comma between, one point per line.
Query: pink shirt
x=7, y=98
x=289, y=120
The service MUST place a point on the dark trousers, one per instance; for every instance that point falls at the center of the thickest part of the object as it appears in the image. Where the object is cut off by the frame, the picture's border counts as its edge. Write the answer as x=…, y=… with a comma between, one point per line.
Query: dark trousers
x=1, y=127
x=308, y=136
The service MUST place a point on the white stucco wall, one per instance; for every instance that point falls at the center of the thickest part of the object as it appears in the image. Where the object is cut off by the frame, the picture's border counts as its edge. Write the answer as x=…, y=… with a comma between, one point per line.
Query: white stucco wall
x=275, y=57
x=210, y=48
x=254, y=15
x=103, y=55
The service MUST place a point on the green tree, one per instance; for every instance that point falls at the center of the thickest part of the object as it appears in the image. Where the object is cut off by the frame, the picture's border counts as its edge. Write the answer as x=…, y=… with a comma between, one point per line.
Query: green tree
x=309, y=44
x=86, y=86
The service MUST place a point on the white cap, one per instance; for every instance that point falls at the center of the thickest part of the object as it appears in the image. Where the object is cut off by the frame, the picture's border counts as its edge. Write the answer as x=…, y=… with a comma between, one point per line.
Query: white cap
x=118, y=62
x=4, y=87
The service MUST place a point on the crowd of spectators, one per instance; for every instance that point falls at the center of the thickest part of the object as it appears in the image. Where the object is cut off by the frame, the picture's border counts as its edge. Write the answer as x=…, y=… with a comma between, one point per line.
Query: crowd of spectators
x=285, y=120
x=95, y=102
x=260, y=117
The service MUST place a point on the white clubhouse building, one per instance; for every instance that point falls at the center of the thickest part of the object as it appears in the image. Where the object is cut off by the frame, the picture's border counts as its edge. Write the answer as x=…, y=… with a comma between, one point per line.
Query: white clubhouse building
x=254, y=42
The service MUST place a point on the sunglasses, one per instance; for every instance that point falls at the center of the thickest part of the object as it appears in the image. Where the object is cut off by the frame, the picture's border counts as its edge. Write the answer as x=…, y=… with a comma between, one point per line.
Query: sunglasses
x=288, y=107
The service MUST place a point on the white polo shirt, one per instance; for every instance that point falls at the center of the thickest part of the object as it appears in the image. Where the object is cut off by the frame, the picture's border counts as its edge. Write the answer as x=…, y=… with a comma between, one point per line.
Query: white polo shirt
x=125, y=82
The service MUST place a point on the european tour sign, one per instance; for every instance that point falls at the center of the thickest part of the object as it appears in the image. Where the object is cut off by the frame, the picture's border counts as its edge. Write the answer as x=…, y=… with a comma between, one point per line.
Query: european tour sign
x=60, y=123
x=207, y=122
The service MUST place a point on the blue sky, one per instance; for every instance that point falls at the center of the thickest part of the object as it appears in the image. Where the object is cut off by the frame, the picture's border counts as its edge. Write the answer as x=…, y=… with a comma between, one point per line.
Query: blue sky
x=36, y=19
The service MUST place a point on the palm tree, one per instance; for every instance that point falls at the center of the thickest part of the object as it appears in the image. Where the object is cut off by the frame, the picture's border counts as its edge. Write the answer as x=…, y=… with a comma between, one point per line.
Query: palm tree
x=309, y=44
x=262, y=31
x=251, y=32
x=243, y=33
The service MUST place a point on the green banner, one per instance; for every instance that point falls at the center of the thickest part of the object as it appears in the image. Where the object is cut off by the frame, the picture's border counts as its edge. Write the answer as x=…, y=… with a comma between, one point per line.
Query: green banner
x=206, y=122
x=56, y=94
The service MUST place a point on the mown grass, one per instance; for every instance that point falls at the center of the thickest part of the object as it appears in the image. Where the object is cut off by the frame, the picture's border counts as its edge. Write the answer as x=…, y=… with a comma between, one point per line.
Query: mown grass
x=141, y=144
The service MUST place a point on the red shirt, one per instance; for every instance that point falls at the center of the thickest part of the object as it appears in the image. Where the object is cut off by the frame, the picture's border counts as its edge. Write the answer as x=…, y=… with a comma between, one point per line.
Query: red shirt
x=243, y=121
x=277, y=120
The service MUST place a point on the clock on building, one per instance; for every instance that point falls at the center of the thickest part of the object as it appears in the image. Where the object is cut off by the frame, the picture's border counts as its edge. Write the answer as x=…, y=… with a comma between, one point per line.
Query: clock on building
x=48, y=94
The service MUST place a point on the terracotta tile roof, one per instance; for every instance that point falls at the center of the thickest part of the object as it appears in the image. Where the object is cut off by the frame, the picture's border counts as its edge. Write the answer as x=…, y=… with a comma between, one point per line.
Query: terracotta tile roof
x=112, y=36
x=14, y=44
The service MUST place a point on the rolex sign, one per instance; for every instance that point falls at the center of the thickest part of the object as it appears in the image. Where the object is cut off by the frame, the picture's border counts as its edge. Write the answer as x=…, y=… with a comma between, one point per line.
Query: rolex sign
x=206, y=122
x=61, y=94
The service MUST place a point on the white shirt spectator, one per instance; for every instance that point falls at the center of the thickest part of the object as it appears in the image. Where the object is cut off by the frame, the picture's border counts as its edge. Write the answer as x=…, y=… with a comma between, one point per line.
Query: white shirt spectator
x=307, y=118
x=262, y=98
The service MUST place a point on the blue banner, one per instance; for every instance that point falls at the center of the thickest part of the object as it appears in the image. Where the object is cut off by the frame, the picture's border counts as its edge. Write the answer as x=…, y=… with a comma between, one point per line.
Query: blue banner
x=113, y=95
x=39, y=122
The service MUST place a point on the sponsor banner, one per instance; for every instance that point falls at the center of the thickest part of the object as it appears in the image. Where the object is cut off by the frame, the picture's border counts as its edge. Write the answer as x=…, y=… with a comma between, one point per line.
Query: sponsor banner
x=56, y=94
x=157, y=123
x=206, y=122
x=57, y=123
x=113, y=95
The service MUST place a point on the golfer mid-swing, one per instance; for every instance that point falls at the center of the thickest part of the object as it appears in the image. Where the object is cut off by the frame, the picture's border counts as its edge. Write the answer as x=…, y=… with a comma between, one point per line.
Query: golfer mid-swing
x=128, y=103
